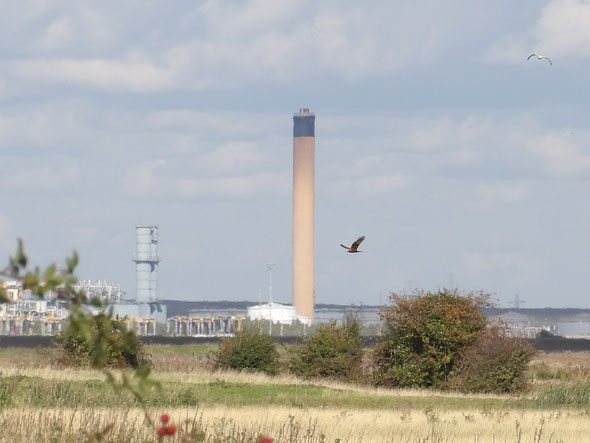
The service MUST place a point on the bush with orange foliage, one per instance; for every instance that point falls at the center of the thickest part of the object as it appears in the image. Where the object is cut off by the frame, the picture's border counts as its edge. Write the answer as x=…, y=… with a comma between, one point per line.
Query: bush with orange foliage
x=425, y=334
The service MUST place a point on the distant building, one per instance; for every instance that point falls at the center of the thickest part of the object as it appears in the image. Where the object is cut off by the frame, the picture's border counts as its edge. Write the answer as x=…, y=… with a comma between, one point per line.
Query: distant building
x=101, y=289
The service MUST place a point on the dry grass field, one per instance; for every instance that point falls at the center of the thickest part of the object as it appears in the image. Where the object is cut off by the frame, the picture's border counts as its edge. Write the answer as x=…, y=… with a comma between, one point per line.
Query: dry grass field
x=43, y=402
x=228, y=424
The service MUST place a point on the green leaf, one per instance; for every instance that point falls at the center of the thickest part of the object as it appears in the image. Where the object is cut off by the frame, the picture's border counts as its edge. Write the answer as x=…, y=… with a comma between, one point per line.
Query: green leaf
x=49, y=273
x=3, y=296
x=19, y=261
x=143, y=372
x=30, y=281
x=72, y=262
x=13, y=267
x=21, y=258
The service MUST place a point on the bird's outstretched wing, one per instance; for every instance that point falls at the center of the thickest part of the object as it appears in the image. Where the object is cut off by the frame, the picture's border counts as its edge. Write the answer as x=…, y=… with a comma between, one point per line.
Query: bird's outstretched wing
x=345, y=247
x=357, y=243
x=540, y=57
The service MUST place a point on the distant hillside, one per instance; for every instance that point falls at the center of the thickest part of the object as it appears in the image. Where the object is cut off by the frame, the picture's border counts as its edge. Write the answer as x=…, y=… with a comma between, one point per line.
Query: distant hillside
x=181, y=307
x=546, y=313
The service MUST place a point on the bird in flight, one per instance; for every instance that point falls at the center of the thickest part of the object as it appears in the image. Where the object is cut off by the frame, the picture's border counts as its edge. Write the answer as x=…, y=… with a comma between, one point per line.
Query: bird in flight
x=354, y=247
x=540, y=57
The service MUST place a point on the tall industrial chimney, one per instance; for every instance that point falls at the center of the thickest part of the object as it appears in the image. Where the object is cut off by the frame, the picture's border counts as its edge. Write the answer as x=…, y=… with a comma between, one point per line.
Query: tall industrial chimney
x=146, y=263
x=303, y=204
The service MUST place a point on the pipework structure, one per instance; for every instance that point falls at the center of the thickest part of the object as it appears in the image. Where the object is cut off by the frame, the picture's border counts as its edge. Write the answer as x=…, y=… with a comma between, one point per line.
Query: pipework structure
x=146, y=304
x=303, y=212
x=146, y=263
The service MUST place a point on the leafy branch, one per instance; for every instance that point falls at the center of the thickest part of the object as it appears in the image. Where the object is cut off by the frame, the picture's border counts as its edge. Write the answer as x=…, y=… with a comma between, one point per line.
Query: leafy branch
x=101, y=335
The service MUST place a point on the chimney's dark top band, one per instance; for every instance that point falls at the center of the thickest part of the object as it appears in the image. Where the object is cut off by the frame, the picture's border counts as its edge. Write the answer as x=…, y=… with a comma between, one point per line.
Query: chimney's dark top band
x=304, y=124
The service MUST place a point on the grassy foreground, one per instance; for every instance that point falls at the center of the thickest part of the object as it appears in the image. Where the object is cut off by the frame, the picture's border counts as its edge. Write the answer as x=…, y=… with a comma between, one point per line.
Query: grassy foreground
x=229, y=424
x=41, y=402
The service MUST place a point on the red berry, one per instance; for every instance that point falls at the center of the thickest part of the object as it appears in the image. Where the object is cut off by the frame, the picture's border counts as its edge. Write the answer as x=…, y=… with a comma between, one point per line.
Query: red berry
x=164, y=418
x=162, y=431
x=171, y=429
x=265, y=440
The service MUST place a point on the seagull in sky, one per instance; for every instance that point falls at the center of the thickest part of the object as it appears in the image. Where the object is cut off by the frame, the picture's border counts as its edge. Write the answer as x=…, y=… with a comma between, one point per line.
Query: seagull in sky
x=354, y=247
x=540, y=57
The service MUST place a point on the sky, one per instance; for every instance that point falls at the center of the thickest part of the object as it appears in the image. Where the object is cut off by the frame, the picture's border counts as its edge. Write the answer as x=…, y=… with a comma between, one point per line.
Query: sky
x=463, y=163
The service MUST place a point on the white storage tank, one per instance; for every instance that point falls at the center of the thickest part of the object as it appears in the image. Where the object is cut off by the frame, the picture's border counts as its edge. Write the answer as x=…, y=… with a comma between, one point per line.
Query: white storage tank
x=278, y=313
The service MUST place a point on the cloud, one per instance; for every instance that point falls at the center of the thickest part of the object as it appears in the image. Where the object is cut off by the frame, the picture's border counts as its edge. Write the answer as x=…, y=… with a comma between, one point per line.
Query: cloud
x=560, y=32
x=369, y=186
x=151, y=179
x=39, y=176
x=492, y=194
x=245, y=186
x=438, y=133
x=410, y=146
x=234, y=19
x=140, y=179
x=510, y=49
x=225, y=44
x=4, y=90
x=57, y=33
x=287, y=41
x=559, y=154
x=82, y=26
x=234, y=156
x=228, y=123
x=112, y=75
x=46, y=125
x=521, y=143
x=563, y=30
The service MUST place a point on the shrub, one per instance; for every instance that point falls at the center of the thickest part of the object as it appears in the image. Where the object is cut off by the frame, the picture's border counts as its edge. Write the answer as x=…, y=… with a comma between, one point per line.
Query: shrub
x=424, y=336
x=106, y=343
x=496, y=363
x=248, y=350
x=334, y=351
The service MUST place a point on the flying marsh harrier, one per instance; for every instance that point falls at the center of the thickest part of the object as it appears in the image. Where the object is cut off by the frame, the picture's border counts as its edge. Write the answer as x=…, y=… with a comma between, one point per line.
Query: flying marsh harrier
x=355, y=245
x=540, y=57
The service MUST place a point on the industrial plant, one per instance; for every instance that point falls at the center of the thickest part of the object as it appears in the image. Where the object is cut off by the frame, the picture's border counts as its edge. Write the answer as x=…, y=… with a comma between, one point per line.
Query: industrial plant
x=26, y=314
x=146, y=314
